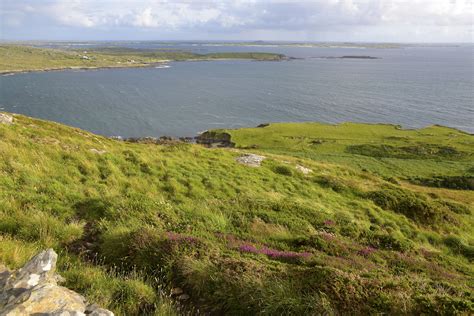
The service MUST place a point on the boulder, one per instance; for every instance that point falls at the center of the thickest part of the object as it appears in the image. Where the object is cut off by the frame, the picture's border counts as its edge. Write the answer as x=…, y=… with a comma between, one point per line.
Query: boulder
x=6, y=119
x=303, y=169
x=250, y=160
x=33, y=290
x=215, y=139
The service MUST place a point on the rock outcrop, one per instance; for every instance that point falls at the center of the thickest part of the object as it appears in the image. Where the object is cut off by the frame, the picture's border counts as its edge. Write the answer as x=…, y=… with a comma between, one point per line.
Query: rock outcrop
x=215, y=139
x=34, y=290
x=6, y=119
x=250, y=160
x=303, y=169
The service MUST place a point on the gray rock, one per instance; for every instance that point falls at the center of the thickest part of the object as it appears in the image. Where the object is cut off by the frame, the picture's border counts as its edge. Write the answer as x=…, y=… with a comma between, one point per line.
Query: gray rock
x=6, y=119
x=303, y=169
x=95, y=310
x=250, y=160
x=39, y=270
x=4, y=275
x=33, y=290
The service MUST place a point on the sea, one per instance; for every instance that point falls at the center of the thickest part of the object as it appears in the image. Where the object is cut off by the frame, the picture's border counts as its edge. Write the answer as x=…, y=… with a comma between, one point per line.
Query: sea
x=409, y=85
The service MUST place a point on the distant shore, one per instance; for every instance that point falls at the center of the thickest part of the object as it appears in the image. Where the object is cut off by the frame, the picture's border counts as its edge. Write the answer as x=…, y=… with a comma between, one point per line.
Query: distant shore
x=16, y=59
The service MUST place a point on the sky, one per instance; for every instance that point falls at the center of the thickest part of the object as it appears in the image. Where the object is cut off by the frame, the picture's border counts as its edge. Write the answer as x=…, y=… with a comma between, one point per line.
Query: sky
x=432, y=21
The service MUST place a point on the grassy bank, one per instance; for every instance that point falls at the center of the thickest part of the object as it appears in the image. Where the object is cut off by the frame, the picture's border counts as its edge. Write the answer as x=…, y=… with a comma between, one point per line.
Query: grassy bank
x=383, y=149
x=353, y=236
x=14, y=58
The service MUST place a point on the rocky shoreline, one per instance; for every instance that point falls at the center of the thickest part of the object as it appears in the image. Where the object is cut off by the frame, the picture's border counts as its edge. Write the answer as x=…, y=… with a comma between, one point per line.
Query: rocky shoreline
x=208, y=139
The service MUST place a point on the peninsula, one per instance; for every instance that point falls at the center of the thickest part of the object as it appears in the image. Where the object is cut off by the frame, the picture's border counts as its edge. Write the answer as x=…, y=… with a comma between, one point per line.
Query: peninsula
x=17, y=58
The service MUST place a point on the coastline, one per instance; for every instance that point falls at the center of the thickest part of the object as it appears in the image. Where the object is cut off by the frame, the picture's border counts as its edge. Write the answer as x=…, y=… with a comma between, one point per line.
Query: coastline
x=150, y=65
x=14, y=72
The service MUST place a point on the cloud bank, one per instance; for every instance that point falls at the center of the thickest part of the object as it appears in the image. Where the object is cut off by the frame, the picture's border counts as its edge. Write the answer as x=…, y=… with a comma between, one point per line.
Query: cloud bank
x=317, y=20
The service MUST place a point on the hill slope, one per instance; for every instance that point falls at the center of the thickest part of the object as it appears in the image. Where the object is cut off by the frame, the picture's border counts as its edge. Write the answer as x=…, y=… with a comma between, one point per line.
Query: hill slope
x=310, y=231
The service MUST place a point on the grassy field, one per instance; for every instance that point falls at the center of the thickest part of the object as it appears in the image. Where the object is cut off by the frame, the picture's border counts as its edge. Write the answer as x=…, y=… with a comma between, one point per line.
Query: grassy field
x=14, y=58
x=356, y=235
x=383, y=149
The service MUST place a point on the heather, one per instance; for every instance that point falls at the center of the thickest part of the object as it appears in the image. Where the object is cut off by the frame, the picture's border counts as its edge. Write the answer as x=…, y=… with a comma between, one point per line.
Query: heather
x=356, y=234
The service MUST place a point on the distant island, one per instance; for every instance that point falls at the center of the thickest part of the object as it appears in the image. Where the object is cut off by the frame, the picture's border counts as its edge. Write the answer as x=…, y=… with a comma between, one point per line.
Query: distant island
x=348, y=57
x=358, y=57
x=17, y=58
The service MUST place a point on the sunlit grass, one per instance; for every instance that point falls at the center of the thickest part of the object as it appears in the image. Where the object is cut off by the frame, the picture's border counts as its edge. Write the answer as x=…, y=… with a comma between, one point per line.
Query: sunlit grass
x=352, y=236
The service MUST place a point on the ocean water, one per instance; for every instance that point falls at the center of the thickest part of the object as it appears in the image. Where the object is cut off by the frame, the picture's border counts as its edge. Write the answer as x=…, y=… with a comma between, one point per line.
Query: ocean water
x=413, y=86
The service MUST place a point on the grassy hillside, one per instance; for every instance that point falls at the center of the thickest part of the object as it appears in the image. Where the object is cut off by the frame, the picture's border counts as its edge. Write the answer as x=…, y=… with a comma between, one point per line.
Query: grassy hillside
x=15, y=58
x=132, y=221
x=383, y=149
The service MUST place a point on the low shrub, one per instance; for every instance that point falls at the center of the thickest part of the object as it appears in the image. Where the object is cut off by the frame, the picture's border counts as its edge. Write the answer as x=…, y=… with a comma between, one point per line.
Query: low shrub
x=388, y=241
x=458, y=246
x=410, y=204
x=449, y=182
x=283, y=170
x=332, y=183
x=419, y=151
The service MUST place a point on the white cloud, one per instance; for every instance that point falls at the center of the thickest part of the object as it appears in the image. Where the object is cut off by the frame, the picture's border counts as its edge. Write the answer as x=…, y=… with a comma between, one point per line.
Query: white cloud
x=173, y=16
x=431, y=18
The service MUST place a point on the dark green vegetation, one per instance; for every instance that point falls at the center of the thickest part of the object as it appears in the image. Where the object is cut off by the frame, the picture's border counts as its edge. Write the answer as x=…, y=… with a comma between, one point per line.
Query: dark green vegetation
x=353, y=236
x=14, y=58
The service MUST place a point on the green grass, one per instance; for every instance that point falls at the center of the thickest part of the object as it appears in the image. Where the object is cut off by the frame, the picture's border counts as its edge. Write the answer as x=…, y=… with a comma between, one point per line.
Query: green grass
x=352, y=236
x=14, y=58
x=383, y=149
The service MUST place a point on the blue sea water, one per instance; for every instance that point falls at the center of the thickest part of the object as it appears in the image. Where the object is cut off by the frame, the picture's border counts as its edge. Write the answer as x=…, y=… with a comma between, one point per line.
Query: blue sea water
x=413, y=86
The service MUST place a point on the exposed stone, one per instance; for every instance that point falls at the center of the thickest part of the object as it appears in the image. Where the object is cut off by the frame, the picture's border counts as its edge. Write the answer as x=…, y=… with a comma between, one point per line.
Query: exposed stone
x=33, y=290
x=215, y=139
x=251, y=160
x=189, y=140
x=97, y=151
x=95, y=310
x=4, y=275
x=303, y=169
x=45, y=298
x=6, y=119
x=163, y=140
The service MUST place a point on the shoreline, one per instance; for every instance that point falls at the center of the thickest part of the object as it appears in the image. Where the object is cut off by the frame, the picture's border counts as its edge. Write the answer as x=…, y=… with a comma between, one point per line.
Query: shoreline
x=5, y=73
x=188, y=138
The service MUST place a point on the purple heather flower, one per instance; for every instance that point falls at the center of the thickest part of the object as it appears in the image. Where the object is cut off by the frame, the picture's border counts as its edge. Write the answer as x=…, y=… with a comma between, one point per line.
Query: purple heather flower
x=248, y=248
x=273, y=253
x=329, y=223
x=366, y=251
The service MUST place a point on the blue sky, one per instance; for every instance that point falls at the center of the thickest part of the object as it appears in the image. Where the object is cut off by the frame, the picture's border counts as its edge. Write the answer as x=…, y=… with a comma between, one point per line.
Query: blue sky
x=316, y=20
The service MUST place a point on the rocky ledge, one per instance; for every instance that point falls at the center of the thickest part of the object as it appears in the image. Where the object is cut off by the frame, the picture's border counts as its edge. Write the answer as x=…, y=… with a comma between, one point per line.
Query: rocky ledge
x=34, y=290
x=6, y=119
